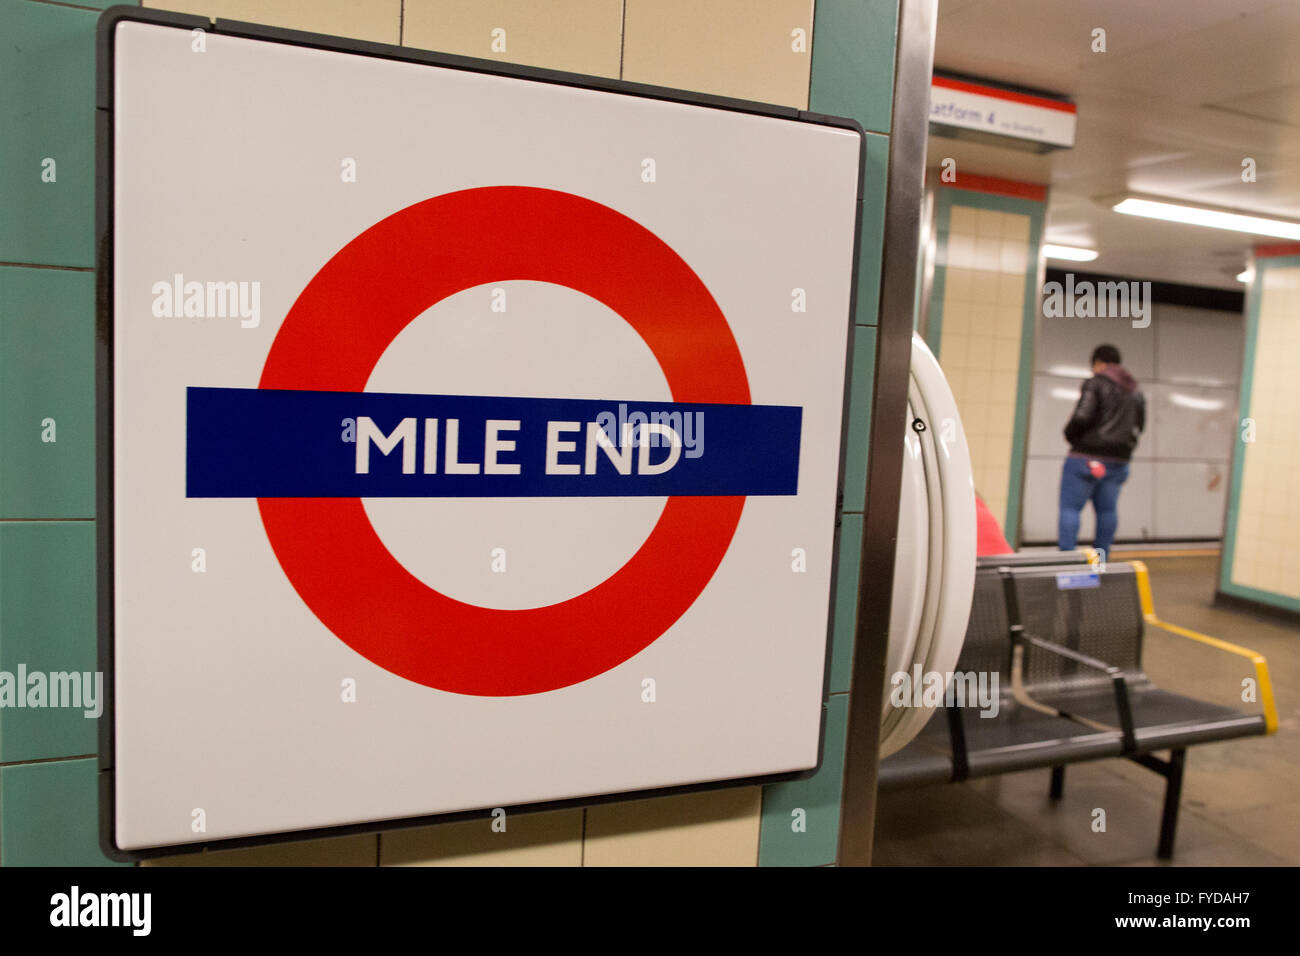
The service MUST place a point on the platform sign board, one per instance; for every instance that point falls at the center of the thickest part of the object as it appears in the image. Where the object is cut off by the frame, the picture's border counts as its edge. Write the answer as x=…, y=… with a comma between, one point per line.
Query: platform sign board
x=470, y=437
x=964, y=110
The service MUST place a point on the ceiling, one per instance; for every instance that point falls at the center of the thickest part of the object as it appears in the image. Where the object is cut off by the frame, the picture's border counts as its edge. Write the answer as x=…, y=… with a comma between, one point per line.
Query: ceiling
x=1185, y=91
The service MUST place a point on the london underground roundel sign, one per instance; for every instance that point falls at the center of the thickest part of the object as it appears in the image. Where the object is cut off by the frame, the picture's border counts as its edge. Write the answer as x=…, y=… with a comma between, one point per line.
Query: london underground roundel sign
x=471, y=438
x=349, y=314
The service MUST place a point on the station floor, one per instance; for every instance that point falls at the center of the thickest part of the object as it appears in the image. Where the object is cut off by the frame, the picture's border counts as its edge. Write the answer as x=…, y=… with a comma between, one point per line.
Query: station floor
x=1241, y=798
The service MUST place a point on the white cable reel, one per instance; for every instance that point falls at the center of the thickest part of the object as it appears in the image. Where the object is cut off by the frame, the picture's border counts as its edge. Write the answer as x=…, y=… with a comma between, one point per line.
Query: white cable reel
x=934, y=565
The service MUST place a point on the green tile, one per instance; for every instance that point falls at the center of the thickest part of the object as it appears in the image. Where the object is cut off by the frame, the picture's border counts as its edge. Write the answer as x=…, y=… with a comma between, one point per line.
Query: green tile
x=47, y=111
x=47, y=373
x=818, y=796
x=845, y=624
x=49, y=815
x=47, y=624
x=859, y=436
x=853, y=60
x=871, y=246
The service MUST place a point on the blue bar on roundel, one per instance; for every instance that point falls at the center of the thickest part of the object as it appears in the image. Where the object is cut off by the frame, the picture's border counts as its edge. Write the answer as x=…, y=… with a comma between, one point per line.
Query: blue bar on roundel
x=269, y=443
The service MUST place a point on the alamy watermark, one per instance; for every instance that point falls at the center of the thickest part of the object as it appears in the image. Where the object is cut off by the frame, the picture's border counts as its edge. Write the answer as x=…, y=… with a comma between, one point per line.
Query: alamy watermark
x=953, y=689
x=1085, y=299
x=82, y=690
x=181, y=299
x=133, y=911
x=672, y=429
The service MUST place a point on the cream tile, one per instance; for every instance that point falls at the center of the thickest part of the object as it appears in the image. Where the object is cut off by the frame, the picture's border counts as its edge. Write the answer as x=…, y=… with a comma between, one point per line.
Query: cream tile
x=359, y=850
x=984, y=287
x=980, y=353
x=1002, y=421
x=974, y=418
x=977, y=384
x=1014, y=258
x=1010, y=319
x=957, y=285
x=989, y=223
x=1015, y=227
x=1011, y=289
x=727, y=47
x=960, y=251
x=578, y=36
x=1269, y=511
x=988, y=254
x=957, y=321
x=376, y=20
x=717, y=828
x=529, y=839
x=963, y=219
x=1006, y=357
x=952, y=349
x=998, y=505
x=1002, y=389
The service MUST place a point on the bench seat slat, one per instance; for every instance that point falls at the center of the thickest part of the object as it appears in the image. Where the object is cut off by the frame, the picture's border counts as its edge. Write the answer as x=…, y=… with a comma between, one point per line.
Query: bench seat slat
x=1020, y=738
x=1163, y=719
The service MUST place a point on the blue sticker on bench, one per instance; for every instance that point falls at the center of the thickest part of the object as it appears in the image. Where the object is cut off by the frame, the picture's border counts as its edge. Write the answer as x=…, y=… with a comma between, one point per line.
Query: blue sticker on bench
x=1072, y=580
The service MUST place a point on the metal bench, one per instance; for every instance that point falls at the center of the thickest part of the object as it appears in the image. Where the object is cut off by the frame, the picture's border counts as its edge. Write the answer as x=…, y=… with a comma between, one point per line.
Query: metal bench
x=1066, y=643
x=959, y=744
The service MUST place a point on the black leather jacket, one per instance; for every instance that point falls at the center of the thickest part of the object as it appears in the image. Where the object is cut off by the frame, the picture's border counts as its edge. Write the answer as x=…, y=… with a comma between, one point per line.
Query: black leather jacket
x=1109, y=417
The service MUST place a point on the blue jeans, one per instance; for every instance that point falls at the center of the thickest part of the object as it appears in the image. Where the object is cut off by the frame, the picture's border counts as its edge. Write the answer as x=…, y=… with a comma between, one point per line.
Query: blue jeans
x=1078, y=487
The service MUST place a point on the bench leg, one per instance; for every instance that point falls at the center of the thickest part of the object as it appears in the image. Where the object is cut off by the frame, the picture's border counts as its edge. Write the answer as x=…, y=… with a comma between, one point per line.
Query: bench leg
x=1173, y=795
x=1058, y=783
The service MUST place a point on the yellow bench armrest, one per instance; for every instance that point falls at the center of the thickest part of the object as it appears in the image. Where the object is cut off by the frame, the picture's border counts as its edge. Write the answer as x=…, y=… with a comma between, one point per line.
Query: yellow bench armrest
x=1261, y=665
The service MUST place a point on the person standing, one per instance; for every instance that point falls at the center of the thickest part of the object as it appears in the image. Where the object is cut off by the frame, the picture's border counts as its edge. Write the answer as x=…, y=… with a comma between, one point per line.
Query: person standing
x=1102, y=432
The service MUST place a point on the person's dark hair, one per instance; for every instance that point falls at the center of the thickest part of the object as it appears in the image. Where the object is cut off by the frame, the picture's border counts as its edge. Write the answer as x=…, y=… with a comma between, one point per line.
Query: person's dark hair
x=1106, y=353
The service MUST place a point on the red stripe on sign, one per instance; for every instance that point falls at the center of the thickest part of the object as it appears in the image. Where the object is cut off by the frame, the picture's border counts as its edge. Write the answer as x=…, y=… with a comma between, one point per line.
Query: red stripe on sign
x=998, y=94
x=998, y=187
x=1274, y=250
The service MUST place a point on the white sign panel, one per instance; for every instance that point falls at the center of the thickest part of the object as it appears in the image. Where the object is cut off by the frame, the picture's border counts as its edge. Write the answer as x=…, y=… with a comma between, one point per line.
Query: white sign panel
x=475, y=438
x=986, y=109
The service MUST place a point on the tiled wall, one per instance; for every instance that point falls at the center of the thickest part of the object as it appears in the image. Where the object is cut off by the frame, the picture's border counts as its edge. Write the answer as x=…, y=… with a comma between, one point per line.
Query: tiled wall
x=1261, y=561
x=981, y=327
x=48, y=809
x=730, y=47
x=376, y=20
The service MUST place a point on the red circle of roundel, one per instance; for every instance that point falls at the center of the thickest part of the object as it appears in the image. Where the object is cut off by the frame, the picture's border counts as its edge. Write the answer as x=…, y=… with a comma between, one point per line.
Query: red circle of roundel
x=331, y=340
